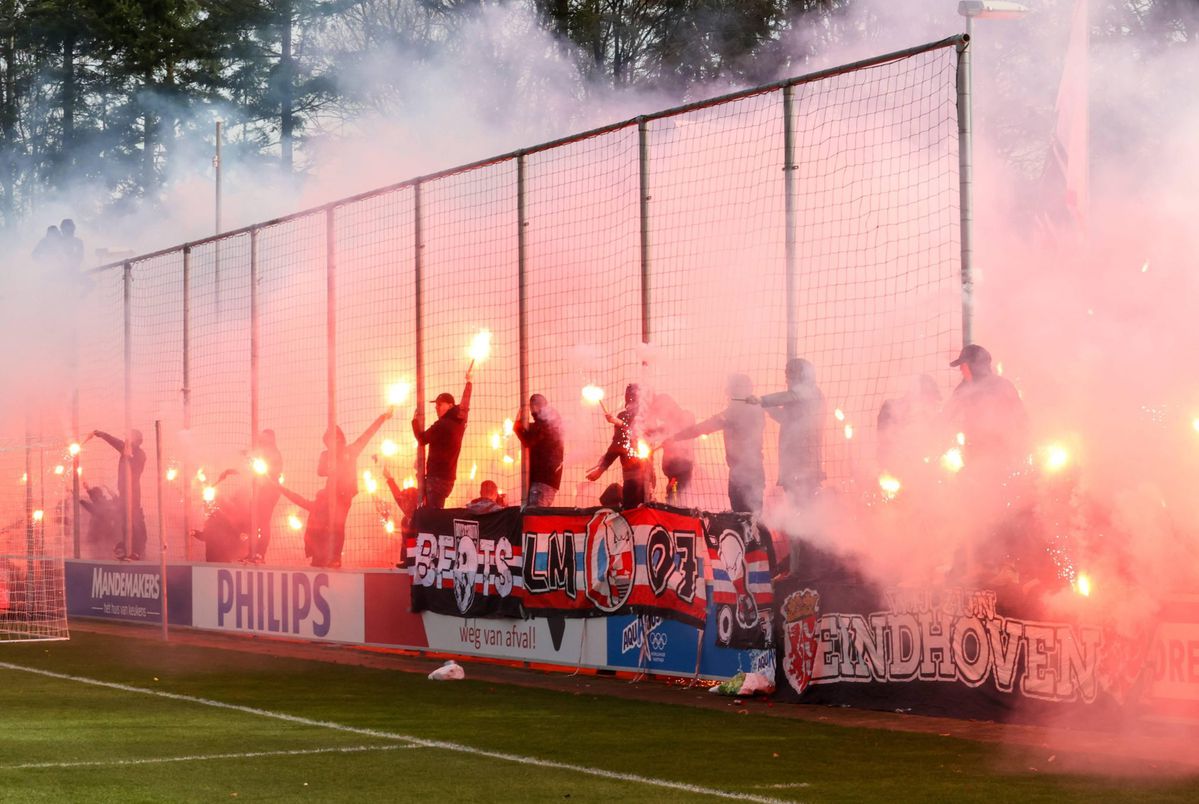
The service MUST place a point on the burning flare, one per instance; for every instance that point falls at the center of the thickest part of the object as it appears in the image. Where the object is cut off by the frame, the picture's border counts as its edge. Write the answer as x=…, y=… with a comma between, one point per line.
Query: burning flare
x=209, y=494
x=294, y=522
x=409, y=482
x=58, y=470
x=260, y=466
x=73, y=450
x=593, y=394
x=495, y=440
x=397, y=393
x=889, y=484
x=839, y=415
x=848, y=431
x=369, y=482
x=203, y=478
x=389, y=526
x=474, y=470
x=480, y=347
x=1082, y=584
x=172, y=473
x=1054, y=458
x=643, y=449
x=508, y=427
x=952, y=460
x=38, y=515
x=389, y=447
x=509, y=460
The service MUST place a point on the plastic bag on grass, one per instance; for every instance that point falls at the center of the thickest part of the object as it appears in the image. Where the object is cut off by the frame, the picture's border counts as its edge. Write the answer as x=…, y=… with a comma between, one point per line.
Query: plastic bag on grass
x=730, y=687
x=745, y=684
x=450, y=671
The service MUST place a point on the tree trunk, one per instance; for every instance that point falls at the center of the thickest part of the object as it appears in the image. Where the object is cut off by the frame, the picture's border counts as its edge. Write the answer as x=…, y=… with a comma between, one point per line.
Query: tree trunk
x=68, y=99
x=148, y=138
x=8, y=127
x=286, y=101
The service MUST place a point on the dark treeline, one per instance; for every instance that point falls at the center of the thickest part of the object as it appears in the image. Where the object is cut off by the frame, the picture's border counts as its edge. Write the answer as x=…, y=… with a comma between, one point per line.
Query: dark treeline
x=109, y=92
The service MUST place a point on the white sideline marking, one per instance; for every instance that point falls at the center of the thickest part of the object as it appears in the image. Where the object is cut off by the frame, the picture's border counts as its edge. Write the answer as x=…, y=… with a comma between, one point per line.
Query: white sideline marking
x=415, y=741
x=784, y=786
x=112, y=763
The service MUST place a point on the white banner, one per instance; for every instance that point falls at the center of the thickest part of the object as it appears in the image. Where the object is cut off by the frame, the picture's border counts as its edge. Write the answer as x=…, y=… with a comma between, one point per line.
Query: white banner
x=526, y=640
x=311, y=605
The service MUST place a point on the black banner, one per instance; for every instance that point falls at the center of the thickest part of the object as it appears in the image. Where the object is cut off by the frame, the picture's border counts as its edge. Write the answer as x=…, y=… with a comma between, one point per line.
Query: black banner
x=467, y=565
x=955, y=651
x=742, y=563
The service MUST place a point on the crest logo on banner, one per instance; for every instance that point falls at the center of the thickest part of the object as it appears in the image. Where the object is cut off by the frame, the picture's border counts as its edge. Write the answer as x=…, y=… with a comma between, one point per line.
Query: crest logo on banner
x=466, y=569
x=801, y=612
x=611, y=562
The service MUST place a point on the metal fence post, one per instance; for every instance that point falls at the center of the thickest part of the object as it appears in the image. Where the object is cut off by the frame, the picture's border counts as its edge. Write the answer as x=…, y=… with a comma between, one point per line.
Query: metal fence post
x=643, y=186
x=965, y=77
x=128, y=464
x=75, y=507
x=255, y=483
x=331, y=363
x=418, y=271
x=789, y=212
x=523, y=311
x=162, y=532
x=187, y=404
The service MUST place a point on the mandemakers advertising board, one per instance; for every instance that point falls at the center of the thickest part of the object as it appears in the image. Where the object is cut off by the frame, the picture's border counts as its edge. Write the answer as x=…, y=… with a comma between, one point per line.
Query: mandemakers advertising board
x=311, y=605
x=120, y=591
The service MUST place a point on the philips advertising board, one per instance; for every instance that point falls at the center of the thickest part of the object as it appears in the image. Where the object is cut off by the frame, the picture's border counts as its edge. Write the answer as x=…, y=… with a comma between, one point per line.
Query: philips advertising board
x=284, y=603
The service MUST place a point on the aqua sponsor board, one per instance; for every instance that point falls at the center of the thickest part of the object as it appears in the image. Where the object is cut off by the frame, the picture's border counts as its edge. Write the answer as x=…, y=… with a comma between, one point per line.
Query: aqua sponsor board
x=656, y=645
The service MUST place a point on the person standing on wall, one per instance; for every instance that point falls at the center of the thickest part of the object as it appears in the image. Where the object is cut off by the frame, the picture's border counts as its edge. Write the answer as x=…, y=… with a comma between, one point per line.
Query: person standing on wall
x=443, y=438
x=543, y=439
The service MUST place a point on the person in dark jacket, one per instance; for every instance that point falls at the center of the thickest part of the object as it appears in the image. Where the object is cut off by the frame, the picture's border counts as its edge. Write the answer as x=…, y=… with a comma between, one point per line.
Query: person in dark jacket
x=129, y=490
x=627, y=427
x=742, y=425
x=907, y=426
x=342, y=486
x=678, y=455
x=317, y=534
x=543, y=440
x=226, y=529
x=266, y=493
x=103, y=508
x=988, y=411
x=800, y=413
x=444, y=441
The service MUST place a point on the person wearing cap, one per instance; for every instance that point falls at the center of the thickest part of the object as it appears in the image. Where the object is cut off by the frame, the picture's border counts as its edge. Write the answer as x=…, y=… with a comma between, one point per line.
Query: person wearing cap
x=799, y=410
x=626, y=429
x=341, y=485
x=742, y=425
x=988, y=411
x=443, y=438
x=543, y=439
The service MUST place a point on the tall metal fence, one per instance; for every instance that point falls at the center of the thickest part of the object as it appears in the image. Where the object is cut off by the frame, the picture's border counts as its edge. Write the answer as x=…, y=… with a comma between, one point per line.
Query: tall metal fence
x=816, y=217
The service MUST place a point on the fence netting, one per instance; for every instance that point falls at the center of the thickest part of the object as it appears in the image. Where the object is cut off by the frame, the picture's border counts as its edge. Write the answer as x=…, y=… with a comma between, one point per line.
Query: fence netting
x=654, y=253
